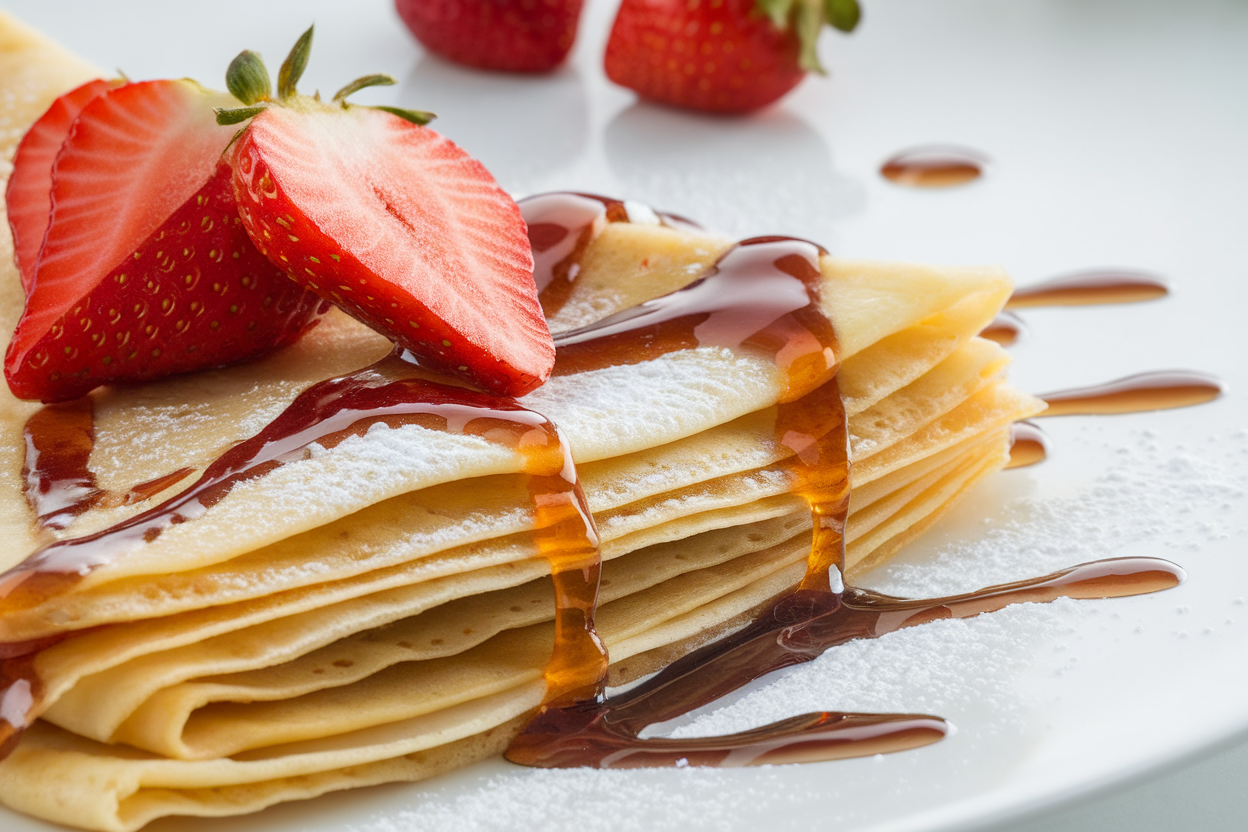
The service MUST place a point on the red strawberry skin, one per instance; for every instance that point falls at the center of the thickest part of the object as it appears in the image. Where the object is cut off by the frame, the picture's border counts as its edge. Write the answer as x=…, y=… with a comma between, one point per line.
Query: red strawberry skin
x=29, y=193
x=145, y=269
x=196, y=294
x=509, y=35
x=403, y=230
x=724, y=57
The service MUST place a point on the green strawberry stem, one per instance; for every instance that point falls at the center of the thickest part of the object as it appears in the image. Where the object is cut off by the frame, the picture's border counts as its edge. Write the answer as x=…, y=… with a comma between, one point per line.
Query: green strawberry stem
x=247, y=79
x=807, y=18
x=294, y=65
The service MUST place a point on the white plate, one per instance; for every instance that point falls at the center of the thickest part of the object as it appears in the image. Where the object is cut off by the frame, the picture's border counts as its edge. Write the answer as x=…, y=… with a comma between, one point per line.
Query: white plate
x=1117, y=132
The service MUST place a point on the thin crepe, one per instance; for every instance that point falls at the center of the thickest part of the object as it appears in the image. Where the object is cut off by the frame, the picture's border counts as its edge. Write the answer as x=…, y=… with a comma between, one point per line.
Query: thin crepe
x=396, y=624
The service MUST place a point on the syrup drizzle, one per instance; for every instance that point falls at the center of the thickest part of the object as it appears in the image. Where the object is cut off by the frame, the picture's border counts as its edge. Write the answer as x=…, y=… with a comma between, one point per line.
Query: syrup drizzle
x=761, y=296
x=935, y=166
x=1091, y=287
x=1161, y=390
x=391, y=392
x=604, y=731
x=59, y=482
x=1028, y=445
x=1005, y=329
x=560, y=228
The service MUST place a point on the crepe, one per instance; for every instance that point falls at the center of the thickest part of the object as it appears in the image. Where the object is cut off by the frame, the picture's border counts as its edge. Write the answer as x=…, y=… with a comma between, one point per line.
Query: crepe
x=378, y=609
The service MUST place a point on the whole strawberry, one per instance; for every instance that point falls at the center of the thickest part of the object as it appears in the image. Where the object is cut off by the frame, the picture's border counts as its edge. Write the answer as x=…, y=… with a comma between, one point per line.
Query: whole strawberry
x=510, y=35
x=142, y=268
x=392, y=223
x=725, y=56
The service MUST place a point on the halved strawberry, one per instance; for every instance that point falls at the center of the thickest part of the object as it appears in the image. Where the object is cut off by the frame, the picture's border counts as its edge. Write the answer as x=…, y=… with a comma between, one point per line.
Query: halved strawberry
x=397, y=226
x=145, y=269
x=29, y=192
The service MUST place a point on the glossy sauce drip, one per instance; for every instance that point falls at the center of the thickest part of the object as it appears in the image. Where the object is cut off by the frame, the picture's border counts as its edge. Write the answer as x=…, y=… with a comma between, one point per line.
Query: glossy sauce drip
x=757, y=298
x=561, y=226
x=935, y=166
x=761, y=297
x=392, y=392
x=1005, y=329
x=568, y=539
x=605, y=731
x=1028, y=445
x=59, y=482
x=1090, y=287
x=796, y=629
x=1140, y=393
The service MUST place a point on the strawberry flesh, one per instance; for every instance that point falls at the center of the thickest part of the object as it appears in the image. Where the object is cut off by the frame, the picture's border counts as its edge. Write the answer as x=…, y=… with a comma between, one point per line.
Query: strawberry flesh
x=725, y=57
x=28, y=195
x=146, y=270
x=509, y=35
x=402, y=229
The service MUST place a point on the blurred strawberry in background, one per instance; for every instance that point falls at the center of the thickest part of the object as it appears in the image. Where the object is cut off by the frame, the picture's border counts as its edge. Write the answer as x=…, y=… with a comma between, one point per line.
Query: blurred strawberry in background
x=509, y=35
x=727, y=56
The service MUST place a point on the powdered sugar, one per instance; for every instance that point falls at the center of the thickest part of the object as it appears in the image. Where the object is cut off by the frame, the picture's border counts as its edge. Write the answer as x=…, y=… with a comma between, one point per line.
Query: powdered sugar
x=1147, y=494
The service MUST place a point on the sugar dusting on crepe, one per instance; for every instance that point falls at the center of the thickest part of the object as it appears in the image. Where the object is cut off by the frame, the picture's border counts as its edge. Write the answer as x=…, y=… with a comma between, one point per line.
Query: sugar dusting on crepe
x=1136, y=501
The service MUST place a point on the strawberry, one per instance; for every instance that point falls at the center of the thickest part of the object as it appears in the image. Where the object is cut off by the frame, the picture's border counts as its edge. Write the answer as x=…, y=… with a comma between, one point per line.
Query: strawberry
x=727, y=56
x=145, y=269
x=394, y=224
x=29, y=192
x=511, y=35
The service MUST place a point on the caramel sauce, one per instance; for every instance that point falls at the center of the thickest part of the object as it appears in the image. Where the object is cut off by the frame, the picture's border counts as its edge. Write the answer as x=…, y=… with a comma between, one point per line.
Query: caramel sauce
x=935, y=166
x=761, y=297
x=1140, y=393
x=1028, y=445
x=1005, y=329
x=59, y=482
x=560, y=227
x=1090, y=287
x=393, y=392
x=796, y=629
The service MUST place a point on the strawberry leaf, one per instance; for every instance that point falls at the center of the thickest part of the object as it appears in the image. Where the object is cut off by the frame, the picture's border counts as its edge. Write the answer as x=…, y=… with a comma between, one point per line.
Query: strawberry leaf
x=247, y=78
x=843, y=14
x=418, y=117
x=294, y=65
x=777, y=11
x=808, y=23
x=361, y=83
x=235, y=115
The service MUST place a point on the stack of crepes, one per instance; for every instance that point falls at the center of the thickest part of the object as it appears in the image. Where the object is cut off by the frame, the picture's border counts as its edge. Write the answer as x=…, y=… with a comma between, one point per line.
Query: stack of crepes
x=377, y=611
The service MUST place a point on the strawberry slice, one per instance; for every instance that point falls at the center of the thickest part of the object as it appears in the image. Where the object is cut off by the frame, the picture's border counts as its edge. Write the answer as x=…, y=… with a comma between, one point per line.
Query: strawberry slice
x=145, y=269
x=397, y=226
x=29, y=192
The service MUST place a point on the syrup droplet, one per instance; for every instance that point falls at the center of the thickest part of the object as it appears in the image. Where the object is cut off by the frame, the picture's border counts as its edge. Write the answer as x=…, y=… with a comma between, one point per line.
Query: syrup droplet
x=1005, y=329
x=935, y=166
x=1028, y=445
x=1086, y=288
x=1140, y=393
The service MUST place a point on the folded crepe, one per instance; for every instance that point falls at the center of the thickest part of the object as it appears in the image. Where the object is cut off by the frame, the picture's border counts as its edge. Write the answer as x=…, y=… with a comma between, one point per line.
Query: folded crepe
x=379, y=607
